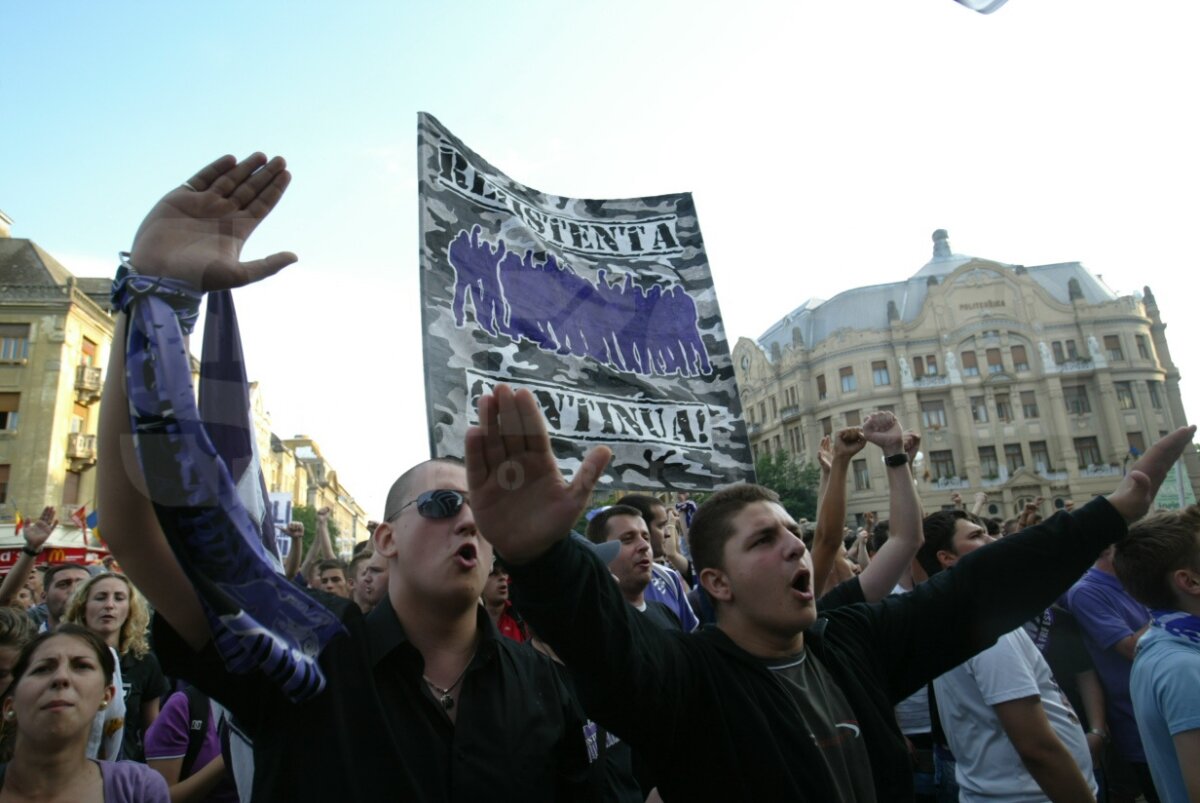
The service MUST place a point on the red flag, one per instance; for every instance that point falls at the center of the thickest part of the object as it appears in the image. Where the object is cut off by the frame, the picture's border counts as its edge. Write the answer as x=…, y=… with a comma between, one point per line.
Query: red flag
x=18, y=523
x=80, y=518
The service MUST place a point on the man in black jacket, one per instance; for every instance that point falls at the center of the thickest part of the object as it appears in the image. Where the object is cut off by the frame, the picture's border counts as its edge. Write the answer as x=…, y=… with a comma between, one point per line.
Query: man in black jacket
x=792, y=707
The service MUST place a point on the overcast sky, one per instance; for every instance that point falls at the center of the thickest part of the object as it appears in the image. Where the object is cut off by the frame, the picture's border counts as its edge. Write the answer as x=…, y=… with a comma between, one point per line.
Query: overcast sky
x=824, y=142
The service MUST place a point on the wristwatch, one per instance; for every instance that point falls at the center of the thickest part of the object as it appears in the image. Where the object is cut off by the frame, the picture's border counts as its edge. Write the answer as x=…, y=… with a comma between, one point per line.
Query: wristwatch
x=33, y=553
x=893, y=460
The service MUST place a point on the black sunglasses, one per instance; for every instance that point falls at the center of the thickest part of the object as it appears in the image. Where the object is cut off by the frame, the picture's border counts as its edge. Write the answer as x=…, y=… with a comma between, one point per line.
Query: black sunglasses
x=437, y=504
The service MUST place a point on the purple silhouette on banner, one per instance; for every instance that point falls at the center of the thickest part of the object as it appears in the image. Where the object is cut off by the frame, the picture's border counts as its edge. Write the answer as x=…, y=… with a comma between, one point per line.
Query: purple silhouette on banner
x=618, y=324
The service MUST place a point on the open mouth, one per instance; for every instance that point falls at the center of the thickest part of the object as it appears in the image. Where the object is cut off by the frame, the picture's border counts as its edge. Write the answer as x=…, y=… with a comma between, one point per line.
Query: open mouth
x=467, y=555
x=801, y=584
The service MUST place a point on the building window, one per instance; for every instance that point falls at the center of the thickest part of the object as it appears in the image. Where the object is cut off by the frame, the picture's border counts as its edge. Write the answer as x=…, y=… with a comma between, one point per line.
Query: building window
x=774, y=409
x=979, y=410
x=970, y=367
x=762, y=412
x=942, y=465
x=879, y=371
x=821, y=394
x=1155, y=396
x=862, y=479
x=789, y=396
x=918, y=367
x=827, y=425
x=849, y=383
x=778, y=444
x=1040, y=456
x=887, y=408
x=88, y=354
x=71, y=488
x=1014, y=457
x=1029, y=407
x=796, y=440
x=1020, y=359
x=1059, y=357
x=995, y=364
x=933, y=414
x=1088, y=452
x=3, y=484
x=1004, y=411
x=989, y=466
x=1072, y=352
x=853, y=419
x=1112, y=344
x=1143, y=346
x=931, y=365
x=14, y=342
x=1137, y=444
x=9, y=403
x=1076, y=399
x=1125, y=395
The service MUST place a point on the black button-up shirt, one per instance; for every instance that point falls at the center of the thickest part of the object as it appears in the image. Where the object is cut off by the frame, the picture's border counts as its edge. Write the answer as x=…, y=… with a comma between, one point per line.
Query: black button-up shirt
x=376, y=733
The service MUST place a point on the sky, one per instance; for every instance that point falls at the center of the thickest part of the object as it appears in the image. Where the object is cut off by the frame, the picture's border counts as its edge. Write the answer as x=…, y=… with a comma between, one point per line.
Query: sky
x=823, y=142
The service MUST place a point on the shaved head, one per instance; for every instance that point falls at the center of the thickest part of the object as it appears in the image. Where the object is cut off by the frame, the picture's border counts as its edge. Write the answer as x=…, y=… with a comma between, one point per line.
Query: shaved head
x=401, y=491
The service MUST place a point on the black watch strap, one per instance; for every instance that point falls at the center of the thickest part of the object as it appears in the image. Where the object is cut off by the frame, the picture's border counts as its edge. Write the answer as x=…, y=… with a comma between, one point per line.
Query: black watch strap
x=893, y=460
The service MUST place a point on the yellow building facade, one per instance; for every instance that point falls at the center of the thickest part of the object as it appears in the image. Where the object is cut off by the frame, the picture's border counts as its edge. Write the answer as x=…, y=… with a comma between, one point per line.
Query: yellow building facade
x=1022, y=381
x=55, y=336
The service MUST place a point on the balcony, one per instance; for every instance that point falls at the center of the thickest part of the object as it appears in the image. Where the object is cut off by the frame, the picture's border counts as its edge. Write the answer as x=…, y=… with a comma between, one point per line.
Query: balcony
x=87, y=384
x=931, y=381
x=1100, y=471
x=1079, y=366
x=753, y=429
x=81, y=450
x=951, y=483
x=789, y=412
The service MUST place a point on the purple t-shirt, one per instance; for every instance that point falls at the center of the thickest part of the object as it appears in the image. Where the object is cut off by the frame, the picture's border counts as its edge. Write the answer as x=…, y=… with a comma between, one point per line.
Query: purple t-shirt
x=131, y=782
x=167, y=738
x=1106, y=614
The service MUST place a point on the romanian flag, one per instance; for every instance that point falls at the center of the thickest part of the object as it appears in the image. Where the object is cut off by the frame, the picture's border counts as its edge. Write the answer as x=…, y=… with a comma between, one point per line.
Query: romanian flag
x=79, y=517
x=93, y=522
x=18, y=523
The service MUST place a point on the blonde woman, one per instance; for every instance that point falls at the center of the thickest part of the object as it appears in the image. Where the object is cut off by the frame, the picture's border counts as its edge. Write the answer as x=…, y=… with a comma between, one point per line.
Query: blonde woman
x=109, y=606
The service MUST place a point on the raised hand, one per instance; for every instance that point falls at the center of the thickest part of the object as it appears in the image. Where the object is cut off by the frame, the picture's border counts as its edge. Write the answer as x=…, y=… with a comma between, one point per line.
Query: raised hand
x=1137, y=490
x=981, y=498
x=883, y=430
x=324, y=513
x=295, y=530
x=37, y=532
x=825, y=454
x=196, y=232
x=912, y=445
x=848, y=442
x=521, y=502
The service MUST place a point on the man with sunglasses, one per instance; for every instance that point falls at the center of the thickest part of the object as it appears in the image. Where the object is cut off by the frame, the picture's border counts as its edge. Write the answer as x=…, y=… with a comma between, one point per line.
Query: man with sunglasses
x=419, y=700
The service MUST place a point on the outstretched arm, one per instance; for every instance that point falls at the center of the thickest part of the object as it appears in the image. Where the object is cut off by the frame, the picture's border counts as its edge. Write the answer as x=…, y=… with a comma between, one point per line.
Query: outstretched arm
x=36, y=532
x=194, y=234
x=295, y=531
x=831, y=517
x=891, y=565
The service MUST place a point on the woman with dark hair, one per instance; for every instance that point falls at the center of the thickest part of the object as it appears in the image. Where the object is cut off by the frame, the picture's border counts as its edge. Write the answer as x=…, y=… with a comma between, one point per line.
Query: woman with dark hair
x=61, y=680
x=109, y=606
x=16, y=630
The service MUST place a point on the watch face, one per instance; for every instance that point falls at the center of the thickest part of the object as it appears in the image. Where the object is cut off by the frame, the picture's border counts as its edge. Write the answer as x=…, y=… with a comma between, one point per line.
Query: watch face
x=745, y=362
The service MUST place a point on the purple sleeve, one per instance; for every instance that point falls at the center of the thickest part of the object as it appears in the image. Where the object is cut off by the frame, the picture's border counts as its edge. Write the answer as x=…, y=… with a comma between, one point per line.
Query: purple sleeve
x=132, y=782
x=167, y=736
x=1099, y=618
x=687, y=616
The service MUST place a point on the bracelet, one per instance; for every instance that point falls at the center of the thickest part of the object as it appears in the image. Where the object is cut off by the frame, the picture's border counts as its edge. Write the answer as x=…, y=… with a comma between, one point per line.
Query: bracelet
x=1103, y=735
x=33, y=553
x=130, y=286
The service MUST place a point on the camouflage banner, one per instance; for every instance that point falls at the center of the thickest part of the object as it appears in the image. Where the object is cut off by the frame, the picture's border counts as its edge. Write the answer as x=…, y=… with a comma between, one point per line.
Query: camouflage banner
x=604, y=310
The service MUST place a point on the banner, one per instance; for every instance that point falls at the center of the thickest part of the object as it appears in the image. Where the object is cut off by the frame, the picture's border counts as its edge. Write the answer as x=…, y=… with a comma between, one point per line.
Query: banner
x=604, y=310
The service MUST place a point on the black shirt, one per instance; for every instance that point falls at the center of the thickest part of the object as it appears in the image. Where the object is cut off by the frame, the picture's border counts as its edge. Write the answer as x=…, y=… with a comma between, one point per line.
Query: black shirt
x=375, y=732
x=142, y=681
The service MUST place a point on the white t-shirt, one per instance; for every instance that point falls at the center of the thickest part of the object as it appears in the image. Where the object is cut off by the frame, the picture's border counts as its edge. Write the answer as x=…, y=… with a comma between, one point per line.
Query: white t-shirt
x=989, y=767
x=108, y=726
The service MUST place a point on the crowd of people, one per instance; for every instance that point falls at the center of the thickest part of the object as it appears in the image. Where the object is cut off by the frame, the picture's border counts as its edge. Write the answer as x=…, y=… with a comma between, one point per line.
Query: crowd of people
x=475, y=647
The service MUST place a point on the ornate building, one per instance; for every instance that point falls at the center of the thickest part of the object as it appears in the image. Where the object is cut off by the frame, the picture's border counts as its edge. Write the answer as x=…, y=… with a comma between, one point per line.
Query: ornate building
x=1023, y=381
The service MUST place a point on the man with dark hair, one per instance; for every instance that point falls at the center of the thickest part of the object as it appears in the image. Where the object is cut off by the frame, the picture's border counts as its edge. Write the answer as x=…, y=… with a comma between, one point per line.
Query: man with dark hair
x=332, y=576
x=60, y=581
x=669, y=569
x=813, y=732
x=1011, y=730
x=632, y=565
x=1159, y=564
x=496, y=602
x=356, y=579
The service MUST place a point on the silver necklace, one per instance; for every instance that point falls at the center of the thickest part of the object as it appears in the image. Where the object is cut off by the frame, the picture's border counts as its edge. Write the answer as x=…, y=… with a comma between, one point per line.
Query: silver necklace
x=444, y=694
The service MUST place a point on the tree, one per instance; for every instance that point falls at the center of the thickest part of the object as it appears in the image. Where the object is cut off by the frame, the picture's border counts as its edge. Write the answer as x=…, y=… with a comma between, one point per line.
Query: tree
x=308, y=517
x=795, y=482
